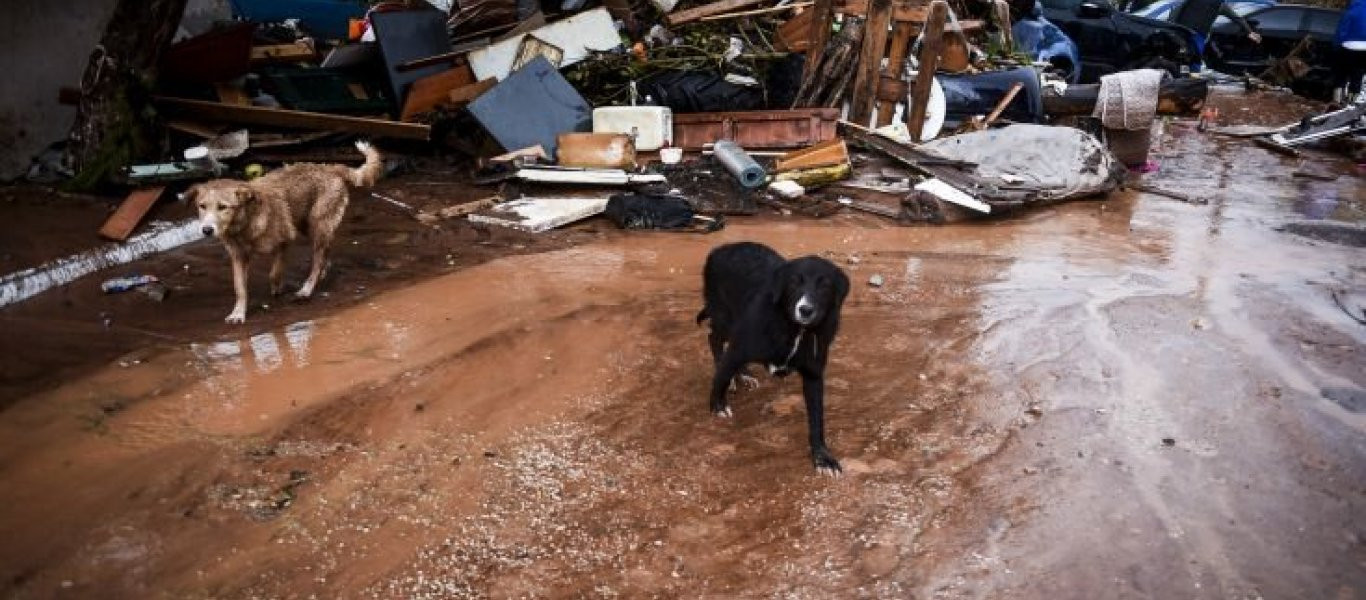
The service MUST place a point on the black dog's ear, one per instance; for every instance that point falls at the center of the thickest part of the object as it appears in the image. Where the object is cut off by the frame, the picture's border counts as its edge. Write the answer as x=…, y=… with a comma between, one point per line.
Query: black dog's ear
x=777, y=283
x=841, y=287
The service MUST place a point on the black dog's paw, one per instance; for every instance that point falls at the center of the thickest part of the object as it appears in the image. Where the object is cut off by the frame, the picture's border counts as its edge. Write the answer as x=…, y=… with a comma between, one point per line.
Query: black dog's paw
x=722, y=410
x=745, y=382
x=825, y=463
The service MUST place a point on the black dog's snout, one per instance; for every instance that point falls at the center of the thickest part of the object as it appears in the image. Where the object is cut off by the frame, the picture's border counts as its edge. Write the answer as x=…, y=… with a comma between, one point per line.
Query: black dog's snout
x=805, y=311
x=207, y=230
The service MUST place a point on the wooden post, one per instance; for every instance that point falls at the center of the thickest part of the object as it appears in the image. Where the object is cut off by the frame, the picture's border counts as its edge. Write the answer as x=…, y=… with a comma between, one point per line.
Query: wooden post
x=1000, y=10
x=869, y=66
x=110, y=130
x=822, y=14
x=930, y=48
x=834, y=68
x=896, y=62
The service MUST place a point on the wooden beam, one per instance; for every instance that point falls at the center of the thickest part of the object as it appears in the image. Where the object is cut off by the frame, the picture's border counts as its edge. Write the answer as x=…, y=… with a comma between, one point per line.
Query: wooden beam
x=902, y=33
x=292, y=119
x=124, y=220
x=930, y=47
x=822, y=14
x=706, y=10
x=869, y=66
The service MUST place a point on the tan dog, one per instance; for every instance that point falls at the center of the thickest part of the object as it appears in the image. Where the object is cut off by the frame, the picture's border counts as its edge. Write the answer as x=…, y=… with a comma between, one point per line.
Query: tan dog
x=263, y=216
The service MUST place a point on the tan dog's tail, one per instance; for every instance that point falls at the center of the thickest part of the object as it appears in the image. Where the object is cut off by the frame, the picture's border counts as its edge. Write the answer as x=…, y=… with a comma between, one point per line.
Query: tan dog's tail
x=367, y=174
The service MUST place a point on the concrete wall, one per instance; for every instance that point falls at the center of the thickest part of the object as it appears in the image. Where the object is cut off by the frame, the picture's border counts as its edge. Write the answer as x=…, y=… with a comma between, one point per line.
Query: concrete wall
x=46, y=45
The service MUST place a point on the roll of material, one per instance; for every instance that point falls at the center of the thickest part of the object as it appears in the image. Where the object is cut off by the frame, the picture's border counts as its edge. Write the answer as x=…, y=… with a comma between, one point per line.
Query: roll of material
x=740, y=165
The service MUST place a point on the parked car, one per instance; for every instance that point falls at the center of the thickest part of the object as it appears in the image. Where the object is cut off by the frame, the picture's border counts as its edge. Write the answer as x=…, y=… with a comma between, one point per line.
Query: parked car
x=1164, y=9
x=1111, y=40
x=1282, y=27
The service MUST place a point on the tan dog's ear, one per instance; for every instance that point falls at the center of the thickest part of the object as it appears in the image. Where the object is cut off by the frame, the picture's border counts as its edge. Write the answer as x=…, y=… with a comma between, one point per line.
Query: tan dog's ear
x=190, y=194
x=244, y=194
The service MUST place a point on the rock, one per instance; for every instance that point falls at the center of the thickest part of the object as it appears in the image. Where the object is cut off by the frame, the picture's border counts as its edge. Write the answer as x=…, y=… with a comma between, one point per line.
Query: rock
x=1166, y=441
x=875, y=281
x=879, y=560
x=856, y=466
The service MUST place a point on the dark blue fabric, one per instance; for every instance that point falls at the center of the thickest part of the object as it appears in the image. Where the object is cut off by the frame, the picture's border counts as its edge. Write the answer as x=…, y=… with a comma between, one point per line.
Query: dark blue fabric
x=1041, y=40
x=1352, y=26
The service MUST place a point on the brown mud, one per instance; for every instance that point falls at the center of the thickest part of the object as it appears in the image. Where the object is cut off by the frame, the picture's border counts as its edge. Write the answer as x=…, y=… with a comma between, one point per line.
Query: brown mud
x=1131, y=398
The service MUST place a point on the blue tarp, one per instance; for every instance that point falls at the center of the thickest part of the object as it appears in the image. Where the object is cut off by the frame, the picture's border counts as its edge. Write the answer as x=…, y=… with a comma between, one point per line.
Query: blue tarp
x=1043, y=41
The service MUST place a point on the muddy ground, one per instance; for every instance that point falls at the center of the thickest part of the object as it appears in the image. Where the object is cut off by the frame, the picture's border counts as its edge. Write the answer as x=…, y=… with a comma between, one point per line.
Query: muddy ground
x=1129, y=398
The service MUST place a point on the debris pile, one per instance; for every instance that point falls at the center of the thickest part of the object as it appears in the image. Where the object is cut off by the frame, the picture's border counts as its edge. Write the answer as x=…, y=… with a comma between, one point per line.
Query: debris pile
x=914, y=110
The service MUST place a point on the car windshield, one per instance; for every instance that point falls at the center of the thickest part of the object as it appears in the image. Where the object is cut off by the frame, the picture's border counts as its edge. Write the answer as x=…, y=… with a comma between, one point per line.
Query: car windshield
x=1163, y=10
x=1062, y=4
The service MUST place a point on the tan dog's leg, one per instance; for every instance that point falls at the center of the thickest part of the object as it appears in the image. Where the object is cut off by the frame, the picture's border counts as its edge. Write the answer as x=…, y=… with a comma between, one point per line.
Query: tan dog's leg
x=277, y=272
x=239, y=284
x=315, y=270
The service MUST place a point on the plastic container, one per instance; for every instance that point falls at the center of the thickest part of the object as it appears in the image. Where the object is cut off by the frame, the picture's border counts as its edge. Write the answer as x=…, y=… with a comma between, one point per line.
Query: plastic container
x=652, y=126
x=123, y=284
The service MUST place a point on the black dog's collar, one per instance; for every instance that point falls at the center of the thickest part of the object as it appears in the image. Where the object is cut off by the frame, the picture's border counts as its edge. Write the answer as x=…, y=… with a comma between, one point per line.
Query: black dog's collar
x=783, y=369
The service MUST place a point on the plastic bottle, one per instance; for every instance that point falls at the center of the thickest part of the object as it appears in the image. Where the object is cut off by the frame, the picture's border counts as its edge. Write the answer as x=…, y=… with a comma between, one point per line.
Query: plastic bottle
x=123, y=284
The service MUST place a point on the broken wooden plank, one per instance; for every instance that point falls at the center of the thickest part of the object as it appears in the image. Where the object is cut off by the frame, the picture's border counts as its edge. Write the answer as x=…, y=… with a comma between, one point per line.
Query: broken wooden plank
x=930, y=47
x=822, y=15
x=757, y=11
x=900, y=47
x=457, y=211
x=794, y=35
x=294, y=119
x=434, y=90
x=1001, y=106
x=933, y=165
x=834, y=68
x=126, y=218
x=824, y=154
x=715, y=8
x=469, y=93
x=283, y=53
x=869, y=66
x=903, y=11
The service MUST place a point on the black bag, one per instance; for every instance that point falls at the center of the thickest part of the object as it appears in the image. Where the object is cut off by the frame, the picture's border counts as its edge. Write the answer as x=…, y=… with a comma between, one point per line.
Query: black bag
x=649, y=211
x=699, y=91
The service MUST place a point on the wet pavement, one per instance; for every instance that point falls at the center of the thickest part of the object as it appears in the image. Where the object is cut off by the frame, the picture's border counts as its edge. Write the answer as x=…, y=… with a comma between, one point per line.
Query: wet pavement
x=1134, y=398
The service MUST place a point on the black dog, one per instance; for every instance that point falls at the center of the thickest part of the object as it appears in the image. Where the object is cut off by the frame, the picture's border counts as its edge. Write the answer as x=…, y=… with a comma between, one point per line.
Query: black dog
x=776, y=312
